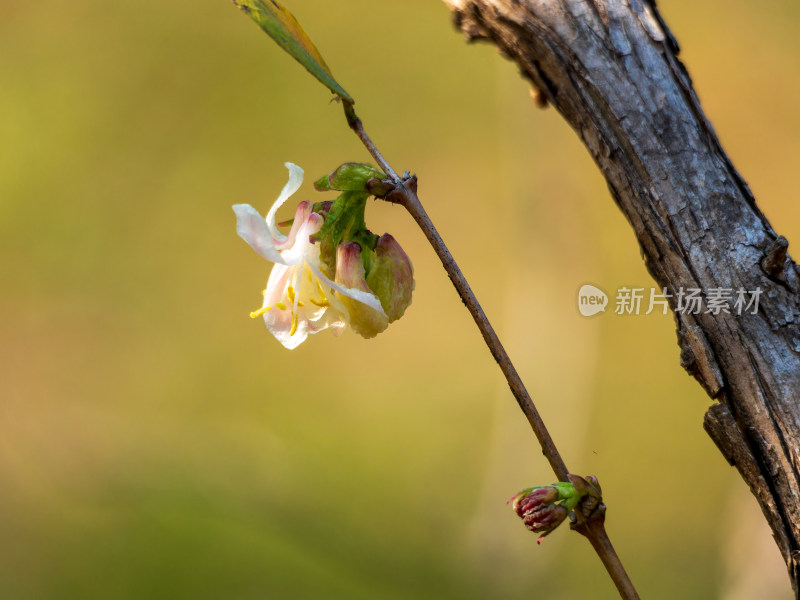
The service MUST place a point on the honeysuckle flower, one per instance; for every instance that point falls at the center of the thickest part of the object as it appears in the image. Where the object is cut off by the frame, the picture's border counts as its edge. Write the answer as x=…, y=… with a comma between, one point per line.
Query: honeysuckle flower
x=300, y=299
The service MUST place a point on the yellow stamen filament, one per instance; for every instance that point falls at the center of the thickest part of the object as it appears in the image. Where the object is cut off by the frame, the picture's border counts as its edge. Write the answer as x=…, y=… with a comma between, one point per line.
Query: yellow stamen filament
x=290, y=295
x=321, y=303
x=259, y=312
x=294, y=324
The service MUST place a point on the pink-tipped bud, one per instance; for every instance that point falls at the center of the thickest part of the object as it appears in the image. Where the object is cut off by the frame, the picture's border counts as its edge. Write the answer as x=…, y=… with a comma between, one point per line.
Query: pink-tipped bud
x=543, y=508
x=391, y=277
x=390, y=280
x=364, y=319
x=538, y=509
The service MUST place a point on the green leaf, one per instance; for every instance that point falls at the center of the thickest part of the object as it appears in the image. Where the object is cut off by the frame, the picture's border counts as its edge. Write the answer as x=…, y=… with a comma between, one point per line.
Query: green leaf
x=282, y=27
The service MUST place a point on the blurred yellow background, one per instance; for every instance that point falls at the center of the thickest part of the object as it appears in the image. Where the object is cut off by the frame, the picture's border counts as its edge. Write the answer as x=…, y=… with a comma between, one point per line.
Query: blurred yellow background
x=155, y=442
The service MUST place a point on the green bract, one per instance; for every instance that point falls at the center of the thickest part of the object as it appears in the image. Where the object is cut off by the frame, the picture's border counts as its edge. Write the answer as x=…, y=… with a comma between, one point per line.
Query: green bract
x=349, y=177
x=344, y=222
x=345, y=219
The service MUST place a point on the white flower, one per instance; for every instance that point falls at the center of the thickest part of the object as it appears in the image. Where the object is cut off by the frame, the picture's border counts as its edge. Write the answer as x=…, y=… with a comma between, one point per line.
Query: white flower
x=299, y=300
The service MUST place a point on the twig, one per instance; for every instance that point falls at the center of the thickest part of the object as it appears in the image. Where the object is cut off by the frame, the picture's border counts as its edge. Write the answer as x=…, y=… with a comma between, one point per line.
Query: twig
x=405, y=194
x=593, y=528
x=355, y=124
x=408, y=198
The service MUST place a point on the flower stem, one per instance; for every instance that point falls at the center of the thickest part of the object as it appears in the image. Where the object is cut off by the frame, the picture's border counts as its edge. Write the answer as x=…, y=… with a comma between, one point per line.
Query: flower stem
x=405, y=194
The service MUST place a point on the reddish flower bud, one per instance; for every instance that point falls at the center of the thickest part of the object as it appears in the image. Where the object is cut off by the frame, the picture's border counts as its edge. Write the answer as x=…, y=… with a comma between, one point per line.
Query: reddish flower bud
x=543, y=508
x=538, y=509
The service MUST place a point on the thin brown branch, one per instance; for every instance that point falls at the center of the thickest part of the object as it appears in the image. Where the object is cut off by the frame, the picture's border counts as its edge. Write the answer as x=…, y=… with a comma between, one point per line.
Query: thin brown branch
x=593, y=527
x=405, y=194
x=358, y=127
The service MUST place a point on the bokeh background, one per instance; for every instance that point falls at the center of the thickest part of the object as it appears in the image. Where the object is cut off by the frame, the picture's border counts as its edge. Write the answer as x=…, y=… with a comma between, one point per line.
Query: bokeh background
x=155, y=442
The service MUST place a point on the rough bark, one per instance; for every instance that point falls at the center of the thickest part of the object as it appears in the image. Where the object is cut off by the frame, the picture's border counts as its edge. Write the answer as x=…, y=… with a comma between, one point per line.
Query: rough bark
x=610, y=68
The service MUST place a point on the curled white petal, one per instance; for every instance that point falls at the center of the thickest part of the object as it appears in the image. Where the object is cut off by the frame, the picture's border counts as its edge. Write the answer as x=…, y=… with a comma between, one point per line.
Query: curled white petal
x=252, y=228
x=370, y=300
x=294, y=183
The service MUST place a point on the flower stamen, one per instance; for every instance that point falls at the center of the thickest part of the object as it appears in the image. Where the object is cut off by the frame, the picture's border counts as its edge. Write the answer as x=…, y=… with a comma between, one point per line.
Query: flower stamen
x=290, y=295
x=324, y=301
x=260, y=311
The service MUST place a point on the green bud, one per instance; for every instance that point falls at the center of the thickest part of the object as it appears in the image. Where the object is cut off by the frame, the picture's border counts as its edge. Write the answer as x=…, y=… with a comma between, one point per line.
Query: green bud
x=391, y=277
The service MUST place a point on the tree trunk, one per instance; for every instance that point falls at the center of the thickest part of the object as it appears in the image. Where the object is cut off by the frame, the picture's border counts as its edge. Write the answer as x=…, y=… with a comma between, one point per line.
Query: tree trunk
x=610, y=68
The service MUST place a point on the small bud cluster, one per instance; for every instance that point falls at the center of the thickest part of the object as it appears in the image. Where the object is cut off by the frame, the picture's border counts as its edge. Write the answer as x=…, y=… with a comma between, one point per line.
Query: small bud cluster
x=543, y=508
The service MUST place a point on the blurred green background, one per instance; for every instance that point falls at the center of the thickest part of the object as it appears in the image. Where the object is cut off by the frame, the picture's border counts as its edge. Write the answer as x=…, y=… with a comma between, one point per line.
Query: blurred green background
x=155, y=442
